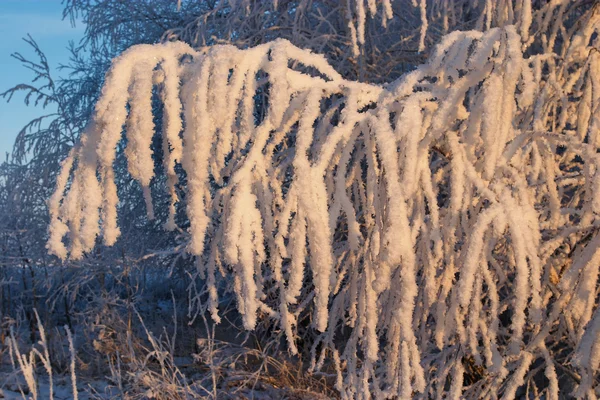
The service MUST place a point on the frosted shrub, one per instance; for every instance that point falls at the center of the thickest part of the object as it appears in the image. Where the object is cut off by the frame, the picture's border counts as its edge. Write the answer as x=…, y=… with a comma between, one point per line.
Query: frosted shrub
x=446, y=220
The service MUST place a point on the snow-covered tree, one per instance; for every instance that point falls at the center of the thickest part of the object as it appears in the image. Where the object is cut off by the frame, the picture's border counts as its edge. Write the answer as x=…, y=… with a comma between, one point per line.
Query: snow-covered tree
x=445, y=221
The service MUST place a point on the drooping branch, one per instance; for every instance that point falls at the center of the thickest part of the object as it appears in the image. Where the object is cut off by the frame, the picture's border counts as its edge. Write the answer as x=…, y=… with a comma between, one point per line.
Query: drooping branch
x=422, y=210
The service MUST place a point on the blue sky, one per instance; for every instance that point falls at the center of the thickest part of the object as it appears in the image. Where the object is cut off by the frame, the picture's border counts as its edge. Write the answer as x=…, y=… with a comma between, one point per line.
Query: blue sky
x=42, y=19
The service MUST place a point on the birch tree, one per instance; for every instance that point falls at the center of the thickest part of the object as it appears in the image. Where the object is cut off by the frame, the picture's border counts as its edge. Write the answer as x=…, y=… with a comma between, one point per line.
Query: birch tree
x=445, y=220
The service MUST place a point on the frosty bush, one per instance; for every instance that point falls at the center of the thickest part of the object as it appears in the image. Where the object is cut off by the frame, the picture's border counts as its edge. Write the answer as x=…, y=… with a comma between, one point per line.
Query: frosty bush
x=444, y=221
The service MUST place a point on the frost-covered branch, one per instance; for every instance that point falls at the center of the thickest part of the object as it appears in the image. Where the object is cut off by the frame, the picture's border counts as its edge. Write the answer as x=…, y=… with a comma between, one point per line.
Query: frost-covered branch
x=441, y=218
